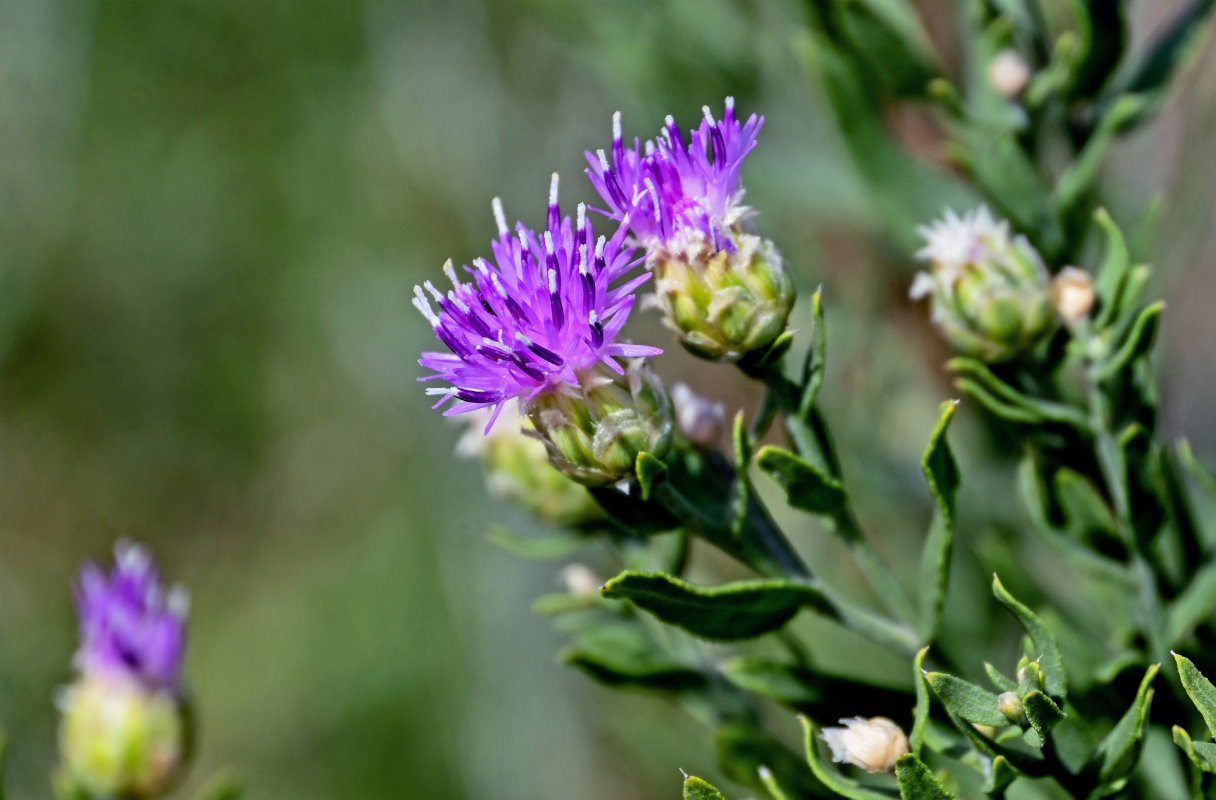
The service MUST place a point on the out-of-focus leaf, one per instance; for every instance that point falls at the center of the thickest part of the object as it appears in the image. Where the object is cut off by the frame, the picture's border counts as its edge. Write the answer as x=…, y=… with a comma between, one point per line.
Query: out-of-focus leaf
x=787, y=684
x=1085, y=510
x=1138, y=343
x=967, y=700
x=1118, y=753
x=1111, y=277
x=697, y=789
x=917, y=782
x=1199, y=689
x=1049, y=649
x=816, y=358
x=1201, y=754
x=1042, y=712
x=1141, y=470
x=920, y=718
x=999, y=679
x=633, y=515
x=770, y=784
x=619, y=652
x=1193, y=468
x=741, y=610
x=998, y=774
x=1033, y=409
x=1104, y=31
x=1080, y=175
x=741, y=501
x=1196, y=604
x=941, y=471
x=890, y=28
x=542, y=548
x=806, y=487
x=830, y=778
x=223, y=785
x=650, y=471
x=744, y=748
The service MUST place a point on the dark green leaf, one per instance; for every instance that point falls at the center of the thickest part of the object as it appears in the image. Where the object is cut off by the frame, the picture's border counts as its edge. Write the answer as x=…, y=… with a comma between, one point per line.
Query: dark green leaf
x=1001, y=408
x=920, y=718
x=1042, y=712
x=741, y=501
x=998, y=774
x=941, y=471
x=916, y=781
x=1137, y=345
x=612, y=671
x=697, y=789
x=1049, y=650
x=1199, y=689
x=967, y=700
x=650, y=471
x=816, y=358
x=744, y=748
x=621, y=652
x=806, y=487
x=830, y=778
x=1118, y=753
x=1202, y=754
x=741, y=610
x=633, y=515
x=874, y=26
x=1111, y=279
x=1085, y=510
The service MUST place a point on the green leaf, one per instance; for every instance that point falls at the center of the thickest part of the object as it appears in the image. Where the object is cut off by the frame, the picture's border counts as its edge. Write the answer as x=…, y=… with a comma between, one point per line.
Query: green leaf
x=1111, y=279
x=999, y=679
x=1200, y=475
x=998, y=774
x=920, y=718
x=744, y=748
x=650, y=471
x=1202, y=754
x=1042, y=712
x=1199, y=689
x=815, y=365
x=1001, y=408
x=631, y=514
x=1085, y=510
x=830, y=778
x=787, y=684
x=1049, y=650
x=917, y=782
x=541, y=548
x=1118, y=753
x=741, y=499
x=1137, y=345
x=621, y=652
x=697, y=789
x=805, y=486
x=941, y=471
x=1195, y=605
x=741, y=610
x=1005, y=400
x=222, y=785
x=891, y=28
x=967, y=700
x=770, y=783
x=1084, y=170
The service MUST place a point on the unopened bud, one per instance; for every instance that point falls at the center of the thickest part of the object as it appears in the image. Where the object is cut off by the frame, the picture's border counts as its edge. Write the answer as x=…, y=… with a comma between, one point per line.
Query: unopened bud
x=1009, y=73
x=873, y=744
x=989, y=291
x=118, y=738
x=698, y=418
x=580, y=581
x=723, y=303
x=1072, y=292
x=1011, y=706
x=595, y=433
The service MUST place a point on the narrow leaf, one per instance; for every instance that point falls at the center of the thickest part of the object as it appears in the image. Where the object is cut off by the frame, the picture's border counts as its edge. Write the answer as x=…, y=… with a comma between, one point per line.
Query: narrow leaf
x=650, y=471
x=1199, y=689
x=1139, y=342
x=916, y=781
x=941, y=471
x=697, y=789
x=1044, y=640
x=998, y=774
x=920, y=718
x=1120, y=750
x=1010, y=398
x=816, y=358
x=741, y=610
x=1200, y=475
x=1193, y=606
x=611, y=671
x=1042, y=712
x=999, y=679
x=830, y=778
x=1202, y=754
x=1111, y=278
x=967, y=700
x=805, y=486
x=744, y=748
x=543, y=548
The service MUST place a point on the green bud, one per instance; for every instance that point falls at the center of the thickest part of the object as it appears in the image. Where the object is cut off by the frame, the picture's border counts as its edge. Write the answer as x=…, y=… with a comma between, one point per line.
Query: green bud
x=593, y=434
x=118, y=738
x=1011, y=706
x=518, y=470
x=989, y=291
x=723, y=305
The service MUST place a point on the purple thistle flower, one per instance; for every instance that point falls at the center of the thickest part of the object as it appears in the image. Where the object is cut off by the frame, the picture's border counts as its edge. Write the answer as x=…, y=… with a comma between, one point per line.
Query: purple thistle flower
x=130, y=627
x=673, y=194
x=545, y=309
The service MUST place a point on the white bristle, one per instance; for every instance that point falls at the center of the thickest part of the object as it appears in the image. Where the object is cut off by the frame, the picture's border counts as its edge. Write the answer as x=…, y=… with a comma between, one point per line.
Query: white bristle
x=709, y=117
x=603, y=160
x=581, y=216
x=553, y=190
x=450, y=271
x=616, y=126
x=500, y=219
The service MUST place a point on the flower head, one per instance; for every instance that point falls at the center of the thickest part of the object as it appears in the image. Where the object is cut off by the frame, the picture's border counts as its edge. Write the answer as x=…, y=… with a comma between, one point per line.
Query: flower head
x=130, y=626
x=547, y=308
x=674, y=194
x=873, y=744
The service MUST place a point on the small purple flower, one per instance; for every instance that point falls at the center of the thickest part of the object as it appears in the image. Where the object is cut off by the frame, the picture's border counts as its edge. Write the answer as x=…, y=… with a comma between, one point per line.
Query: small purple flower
x=673, y=194
x=130, y=627
x=546, y=308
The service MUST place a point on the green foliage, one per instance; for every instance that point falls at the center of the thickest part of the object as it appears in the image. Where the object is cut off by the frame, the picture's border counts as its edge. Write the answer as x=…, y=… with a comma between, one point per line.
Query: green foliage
x=833, y=780
x=805, y=486
x=697, y=789
x=1055, y=681
x=916, y=782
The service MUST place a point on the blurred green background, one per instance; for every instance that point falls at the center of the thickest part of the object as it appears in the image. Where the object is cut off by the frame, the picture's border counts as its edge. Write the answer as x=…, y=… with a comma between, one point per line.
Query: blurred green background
x=212, y=214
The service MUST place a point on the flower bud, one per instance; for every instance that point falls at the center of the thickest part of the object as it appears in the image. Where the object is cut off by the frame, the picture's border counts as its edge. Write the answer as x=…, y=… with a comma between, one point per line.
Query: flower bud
x=1072, y=292
x=518, y=470
x=1009, y=73
x=119, y=738
x=1011, y=706
x=581, y=581
x=723, y=303
x=873, y=744
x=698, y=418
x=593, y=433
x=989, y=292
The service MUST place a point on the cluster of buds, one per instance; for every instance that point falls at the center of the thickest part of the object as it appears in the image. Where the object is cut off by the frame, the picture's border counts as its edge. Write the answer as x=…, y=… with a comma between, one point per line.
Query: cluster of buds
x=723, y=291
x=124, y=728
x=990, y=291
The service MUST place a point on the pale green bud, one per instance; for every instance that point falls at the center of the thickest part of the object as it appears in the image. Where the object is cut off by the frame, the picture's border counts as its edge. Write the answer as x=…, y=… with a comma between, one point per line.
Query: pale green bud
x=594, y=432
x=118, y=738
x=1011, y=706
x=723, y=305
x=518, y=470
x=989, y=292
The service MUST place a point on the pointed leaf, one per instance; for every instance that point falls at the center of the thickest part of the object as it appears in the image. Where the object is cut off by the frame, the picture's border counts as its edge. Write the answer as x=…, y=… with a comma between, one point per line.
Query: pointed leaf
x=1042, y=712
x=967, y=700
x=998, y=774
x=920, y=718
x=816, y=358
x=543, y=548
x=1202, y=754
x=916, y=781
x=1199, y=689
x=650, y=471
x=1010, y=400
x=1044, y=640
x=744, y=748
x=805, y=486
x=941, y=471
x=1194, y=606
x=697, y=789
x=838, y=783
x=741, y=610
x=741, y=501
x=1138, y=344
x=1200, y=475
x=1002, y=682
x=1111, y=280
x=1120, y=750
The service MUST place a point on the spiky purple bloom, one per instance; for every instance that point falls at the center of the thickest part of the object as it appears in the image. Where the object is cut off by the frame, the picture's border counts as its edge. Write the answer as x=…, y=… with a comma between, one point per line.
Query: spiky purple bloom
x=545, y=309
x=130, y=626
x=674, y=193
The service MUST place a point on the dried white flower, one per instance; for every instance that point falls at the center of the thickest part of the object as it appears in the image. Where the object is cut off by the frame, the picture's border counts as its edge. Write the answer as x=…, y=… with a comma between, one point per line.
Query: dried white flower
x=873, y=744
x=1009, y=73
x=1072, y=291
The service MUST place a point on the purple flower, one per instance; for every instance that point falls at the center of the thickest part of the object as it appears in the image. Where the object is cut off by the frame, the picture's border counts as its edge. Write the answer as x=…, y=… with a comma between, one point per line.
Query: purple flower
x=546, y=309
x=130, y=627
x=675, y=195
